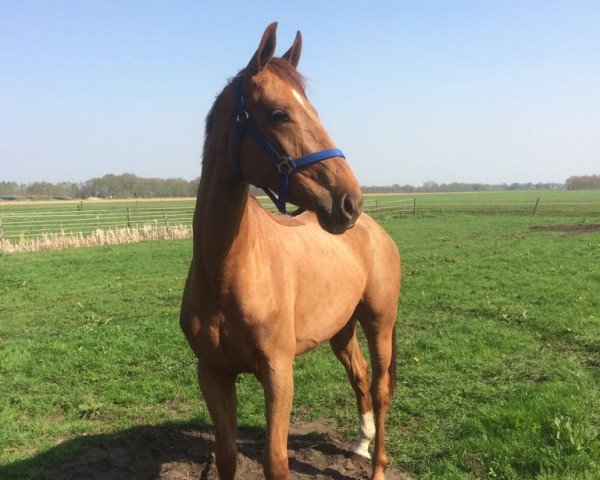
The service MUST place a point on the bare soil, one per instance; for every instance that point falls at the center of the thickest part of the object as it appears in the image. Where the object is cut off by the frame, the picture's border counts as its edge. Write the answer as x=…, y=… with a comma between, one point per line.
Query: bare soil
x=569, y=228
x=185, y=452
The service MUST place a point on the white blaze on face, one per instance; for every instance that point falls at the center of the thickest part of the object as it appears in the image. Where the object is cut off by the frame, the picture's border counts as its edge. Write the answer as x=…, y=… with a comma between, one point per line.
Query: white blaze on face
x=298, y=97
x=303, y=104
x=367, y=432
x=327, y=143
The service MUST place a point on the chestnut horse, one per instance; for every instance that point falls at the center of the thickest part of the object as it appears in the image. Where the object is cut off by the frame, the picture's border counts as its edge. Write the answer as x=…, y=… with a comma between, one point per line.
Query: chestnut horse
x=263, y=288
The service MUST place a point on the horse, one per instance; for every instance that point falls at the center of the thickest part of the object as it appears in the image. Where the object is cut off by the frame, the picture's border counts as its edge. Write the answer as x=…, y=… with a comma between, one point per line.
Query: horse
x=262, y=287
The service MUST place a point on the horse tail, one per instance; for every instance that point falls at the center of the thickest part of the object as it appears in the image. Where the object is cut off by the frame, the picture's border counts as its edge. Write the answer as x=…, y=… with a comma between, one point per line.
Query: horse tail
x=393, y=362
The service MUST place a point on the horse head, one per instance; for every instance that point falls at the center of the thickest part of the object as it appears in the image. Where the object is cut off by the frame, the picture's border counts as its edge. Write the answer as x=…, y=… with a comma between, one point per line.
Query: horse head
x=291, y=152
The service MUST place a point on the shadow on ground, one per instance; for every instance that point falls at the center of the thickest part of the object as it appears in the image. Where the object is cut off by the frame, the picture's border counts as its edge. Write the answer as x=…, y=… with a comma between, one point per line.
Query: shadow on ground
x=184, y=451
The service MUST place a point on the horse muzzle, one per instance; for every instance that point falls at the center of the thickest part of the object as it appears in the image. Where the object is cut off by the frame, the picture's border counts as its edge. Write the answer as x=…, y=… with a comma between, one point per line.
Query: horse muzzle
x=341, y=214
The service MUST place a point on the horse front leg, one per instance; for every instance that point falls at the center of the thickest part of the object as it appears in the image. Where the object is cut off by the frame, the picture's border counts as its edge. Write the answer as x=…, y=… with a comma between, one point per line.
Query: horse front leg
x=277, y=379
x=218, y=390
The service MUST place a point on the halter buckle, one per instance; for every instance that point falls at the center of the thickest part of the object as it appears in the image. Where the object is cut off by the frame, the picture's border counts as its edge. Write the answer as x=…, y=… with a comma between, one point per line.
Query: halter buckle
x=242, y=118
x=285, y=165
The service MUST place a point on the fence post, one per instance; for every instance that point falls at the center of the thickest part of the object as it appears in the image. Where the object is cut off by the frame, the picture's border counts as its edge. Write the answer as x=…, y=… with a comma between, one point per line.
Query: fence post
x=81, y=205
x=166, y=221
x=414, y=206
x=535, y=207
x=128, y=217
x=1, y=230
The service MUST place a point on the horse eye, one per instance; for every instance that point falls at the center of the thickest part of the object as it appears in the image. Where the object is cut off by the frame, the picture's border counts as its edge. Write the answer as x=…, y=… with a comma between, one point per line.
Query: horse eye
x=280, y=116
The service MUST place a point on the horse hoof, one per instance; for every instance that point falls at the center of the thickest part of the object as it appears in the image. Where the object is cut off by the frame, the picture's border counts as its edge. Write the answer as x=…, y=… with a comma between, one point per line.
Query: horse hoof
x=362, y=449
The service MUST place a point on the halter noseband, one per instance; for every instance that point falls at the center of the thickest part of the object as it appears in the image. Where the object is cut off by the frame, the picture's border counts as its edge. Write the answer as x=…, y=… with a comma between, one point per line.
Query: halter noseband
x=284, y=163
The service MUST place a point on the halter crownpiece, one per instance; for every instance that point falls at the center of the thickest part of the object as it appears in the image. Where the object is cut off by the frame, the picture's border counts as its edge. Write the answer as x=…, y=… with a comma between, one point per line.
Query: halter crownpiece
x=284, y=163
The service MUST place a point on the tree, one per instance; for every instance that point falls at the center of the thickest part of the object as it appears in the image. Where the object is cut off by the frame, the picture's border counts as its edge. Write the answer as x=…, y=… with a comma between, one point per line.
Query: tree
x=583, y=182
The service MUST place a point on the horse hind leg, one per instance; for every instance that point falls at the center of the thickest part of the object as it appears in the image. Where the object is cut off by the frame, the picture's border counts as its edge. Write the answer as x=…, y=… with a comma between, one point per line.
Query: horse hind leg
x=218, y=390
x=346, y=348
x=380, y=332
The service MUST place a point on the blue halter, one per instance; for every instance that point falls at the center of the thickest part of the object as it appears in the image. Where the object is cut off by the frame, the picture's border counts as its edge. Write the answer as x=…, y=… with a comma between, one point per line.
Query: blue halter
x=284, y=163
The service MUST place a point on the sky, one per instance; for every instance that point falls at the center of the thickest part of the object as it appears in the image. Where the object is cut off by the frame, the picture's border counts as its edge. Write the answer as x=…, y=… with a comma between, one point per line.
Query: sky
x=467, y=91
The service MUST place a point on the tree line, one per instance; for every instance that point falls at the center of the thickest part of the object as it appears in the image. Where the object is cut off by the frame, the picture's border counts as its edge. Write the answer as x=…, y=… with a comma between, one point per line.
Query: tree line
x=583, y=182
x=129, y=185
x=126, y=185
x=433, y=187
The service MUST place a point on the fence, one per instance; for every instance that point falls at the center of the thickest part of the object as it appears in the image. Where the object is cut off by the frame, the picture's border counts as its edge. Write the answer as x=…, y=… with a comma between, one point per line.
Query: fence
x=537, y=208
x=36, y=223
x=382, y=206
x=72, y=219
x=78, y=218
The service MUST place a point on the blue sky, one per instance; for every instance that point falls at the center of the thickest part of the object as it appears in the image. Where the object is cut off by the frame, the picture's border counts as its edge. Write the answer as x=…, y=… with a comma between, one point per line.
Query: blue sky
x=411, y=91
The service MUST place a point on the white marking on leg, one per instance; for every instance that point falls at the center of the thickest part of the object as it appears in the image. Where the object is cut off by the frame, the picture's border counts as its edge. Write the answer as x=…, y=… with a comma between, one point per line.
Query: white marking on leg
x=367, y=432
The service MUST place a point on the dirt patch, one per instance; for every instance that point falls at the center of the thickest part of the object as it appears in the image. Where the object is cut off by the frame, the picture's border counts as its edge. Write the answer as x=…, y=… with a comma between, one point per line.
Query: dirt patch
x=185, y=452
x=568, y=229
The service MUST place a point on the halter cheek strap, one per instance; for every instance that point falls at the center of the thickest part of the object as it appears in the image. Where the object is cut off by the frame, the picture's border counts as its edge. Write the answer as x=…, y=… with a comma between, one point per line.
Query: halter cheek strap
x=284, y=163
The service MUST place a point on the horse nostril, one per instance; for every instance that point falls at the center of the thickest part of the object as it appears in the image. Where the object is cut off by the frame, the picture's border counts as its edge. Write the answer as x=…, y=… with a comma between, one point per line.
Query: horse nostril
x=349, y=206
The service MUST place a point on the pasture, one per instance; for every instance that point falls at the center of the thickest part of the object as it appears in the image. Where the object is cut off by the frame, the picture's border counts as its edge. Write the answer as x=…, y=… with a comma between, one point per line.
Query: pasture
x=34, y=219
x=498, y=336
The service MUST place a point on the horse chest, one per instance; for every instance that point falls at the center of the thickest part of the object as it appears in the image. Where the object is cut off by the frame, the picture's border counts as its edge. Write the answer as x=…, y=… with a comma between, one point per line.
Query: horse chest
x=223, y=342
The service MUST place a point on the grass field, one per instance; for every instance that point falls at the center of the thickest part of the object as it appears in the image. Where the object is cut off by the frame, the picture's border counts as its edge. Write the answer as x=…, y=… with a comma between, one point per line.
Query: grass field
x=33, y=219
x=499, y=340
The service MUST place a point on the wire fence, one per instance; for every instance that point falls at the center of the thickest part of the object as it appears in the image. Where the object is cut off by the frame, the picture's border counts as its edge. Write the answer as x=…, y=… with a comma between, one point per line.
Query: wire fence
x=36, y=223
x=536, y=208
x=77, y=219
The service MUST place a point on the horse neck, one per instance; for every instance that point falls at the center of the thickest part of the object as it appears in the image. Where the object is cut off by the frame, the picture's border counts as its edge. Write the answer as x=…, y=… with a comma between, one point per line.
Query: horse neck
x=221, y=220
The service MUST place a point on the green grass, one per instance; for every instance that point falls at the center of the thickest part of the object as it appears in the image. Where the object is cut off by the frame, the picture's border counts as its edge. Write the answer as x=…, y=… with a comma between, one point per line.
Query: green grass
x=501, y=351
x=499, y=340
x=551, y=202
x=37, y=218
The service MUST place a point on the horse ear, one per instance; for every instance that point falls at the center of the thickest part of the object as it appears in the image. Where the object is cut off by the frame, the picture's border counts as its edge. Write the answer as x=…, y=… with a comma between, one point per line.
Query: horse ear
x=265, y=51
x=293, y=54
